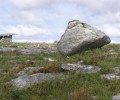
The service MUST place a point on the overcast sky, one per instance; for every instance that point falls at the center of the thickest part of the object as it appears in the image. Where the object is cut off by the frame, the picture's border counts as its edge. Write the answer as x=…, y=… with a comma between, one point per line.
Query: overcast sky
x=46, y=20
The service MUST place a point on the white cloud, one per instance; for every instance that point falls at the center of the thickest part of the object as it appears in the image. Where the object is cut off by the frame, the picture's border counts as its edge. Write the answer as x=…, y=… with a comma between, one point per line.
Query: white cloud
x=111, y=30
x=27, y=15
x=101, y=5
x=94, y=5
x=31, y=3
x=113, y=41
x=54, y=15
x=26, y=30
x=25, y=3
x=108, y=17
x=31, y=17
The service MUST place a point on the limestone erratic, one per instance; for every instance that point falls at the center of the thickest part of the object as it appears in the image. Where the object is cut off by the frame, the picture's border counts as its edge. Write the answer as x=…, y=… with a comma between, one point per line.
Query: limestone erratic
x=80, y=36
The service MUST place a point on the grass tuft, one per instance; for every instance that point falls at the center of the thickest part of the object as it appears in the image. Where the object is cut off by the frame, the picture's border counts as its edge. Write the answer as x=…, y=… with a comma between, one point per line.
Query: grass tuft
x=52, y=67
x=82, y=94
x=28, y=63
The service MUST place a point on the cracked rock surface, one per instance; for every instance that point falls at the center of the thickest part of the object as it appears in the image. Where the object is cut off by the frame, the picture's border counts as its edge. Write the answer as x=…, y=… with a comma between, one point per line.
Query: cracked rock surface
x=26, y=81
x=80, y=68
x=110, y=76
x=80, y=36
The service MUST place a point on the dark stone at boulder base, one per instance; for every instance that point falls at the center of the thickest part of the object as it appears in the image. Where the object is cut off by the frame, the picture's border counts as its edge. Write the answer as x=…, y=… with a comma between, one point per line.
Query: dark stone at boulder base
x=81, y=36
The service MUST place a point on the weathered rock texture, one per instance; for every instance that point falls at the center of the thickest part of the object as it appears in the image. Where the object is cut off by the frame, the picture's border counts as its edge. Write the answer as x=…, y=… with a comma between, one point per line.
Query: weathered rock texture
x=26, y=81
x=110, y=76
x=116, y=70
x=80, y=68
x=81, y=36
x=29, y=50
x=116, y=97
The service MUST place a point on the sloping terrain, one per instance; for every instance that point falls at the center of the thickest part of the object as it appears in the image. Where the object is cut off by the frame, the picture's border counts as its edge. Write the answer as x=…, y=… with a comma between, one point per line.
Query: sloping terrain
x=78, y=86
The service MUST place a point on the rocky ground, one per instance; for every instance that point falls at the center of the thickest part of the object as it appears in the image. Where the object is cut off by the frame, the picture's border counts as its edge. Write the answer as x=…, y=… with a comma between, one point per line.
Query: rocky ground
x=29, y=75
x=80, y=67
x=30, y=49
x=84, y=70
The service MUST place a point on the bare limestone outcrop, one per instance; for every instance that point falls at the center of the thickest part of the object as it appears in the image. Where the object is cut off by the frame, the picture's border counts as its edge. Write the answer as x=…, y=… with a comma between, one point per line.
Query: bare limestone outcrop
x=80, y=68
x=26, y=81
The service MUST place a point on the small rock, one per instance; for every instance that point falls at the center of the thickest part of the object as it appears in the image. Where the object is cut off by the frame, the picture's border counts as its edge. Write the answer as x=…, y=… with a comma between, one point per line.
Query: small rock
x=26, y=81
x=112, y=52
x=110, y=76
x=80, y=68
x=94, y=97
x=116, y=97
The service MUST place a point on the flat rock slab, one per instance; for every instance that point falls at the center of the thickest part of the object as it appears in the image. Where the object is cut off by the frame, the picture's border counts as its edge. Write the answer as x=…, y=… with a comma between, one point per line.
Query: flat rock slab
x=110, y=76
x=29, y=50
x=116, y=97
x=28, y=70
x=37, y=50
x=7, y=49
x=26, y=81
x=80, y=68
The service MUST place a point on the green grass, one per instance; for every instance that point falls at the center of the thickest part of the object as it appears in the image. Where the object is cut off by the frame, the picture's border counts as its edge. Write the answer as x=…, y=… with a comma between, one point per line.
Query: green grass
x=61, y=89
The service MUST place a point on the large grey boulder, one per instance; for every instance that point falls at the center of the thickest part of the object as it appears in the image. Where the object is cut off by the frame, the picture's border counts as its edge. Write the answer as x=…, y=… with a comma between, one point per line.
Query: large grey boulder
x=26, y=81
x=81, y=36
x=80, y=68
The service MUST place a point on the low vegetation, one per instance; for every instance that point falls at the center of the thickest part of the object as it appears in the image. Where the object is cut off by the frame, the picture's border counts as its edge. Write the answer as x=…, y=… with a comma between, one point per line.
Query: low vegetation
x=77, y=86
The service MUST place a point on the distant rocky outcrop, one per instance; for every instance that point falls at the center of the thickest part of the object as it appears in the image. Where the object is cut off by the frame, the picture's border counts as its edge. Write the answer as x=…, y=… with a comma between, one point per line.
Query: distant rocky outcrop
x=81, y=36
x=29, y=50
